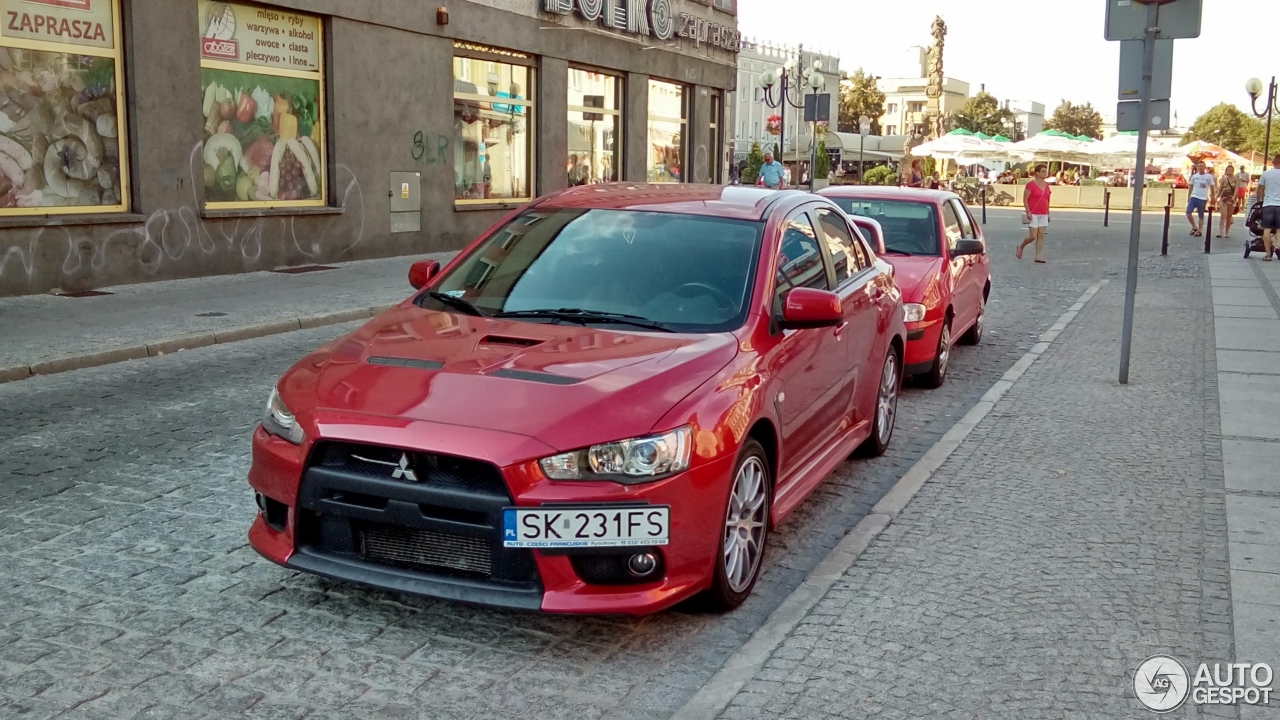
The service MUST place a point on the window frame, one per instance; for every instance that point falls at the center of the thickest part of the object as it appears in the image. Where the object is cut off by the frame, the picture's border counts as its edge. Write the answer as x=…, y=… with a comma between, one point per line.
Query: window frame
x=946, y=228
x=968, y=230
x=475, y=51
x=828, y=271
x=322, y=100
x=862, y=260
x=117, y=54
x=683, y=121
x=619, y=114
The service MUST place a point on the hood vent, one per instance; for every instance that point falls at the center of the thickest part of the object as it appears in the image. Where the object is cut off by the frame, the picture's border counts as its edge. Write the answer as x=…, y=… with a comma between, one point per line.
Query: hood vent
x=534, y=376
x=406, y=363
x=507, y=340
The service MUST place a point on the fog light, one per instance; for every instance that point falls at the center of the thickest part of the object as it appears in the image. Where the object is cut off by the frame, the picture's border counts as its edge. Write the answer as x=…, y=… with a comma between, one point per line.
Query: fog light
x=642, y=564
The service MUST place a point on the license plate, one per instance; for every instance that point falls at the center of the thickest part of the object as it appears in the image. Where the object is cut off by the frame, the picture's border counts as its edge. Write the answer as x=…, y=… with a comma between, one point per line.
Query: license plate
x=585, y=527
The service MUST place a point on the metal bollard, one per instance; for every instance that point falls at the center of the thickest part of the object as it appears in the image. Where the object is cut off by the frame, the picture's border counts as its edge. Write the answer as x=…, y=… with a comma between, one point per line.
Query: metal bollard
x=984, y=203
x=1164, y=243
x=1106, y=208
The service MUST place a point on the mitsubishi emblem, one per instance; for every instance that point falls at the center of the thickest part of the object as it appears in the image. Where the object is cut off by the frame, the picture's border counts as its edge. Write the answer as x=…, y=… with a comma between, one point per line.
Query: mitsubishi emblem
x=403, y=471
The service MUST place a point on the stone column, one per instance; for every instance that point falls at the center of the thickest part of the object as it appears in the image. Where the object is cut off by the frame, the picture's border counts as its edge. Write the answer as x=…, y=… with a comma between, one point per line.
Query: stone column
x=698, y=128
x=635, y=145
x=553, y=125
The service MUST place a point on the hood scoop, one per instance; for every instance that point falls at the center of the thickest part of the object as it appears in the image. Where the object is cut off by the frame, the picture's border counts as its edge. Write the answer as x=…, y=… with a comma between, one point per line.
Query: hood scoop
x=405, y=362
x=509, y=341
x=534, y=376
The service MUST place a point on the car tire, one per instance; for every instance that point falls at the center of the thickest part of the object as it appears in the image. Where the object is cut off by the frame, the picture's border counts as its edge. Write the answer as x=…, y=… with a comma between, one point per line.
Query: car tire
x=745, y=530
x=886, y=409
x=941, y=360
x=973, y=335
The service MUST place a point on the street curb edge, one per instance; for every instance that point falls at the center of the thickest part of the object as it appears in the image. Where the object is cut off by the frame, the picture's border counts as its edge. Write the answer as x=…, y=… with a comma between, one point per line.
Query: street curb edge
x=164, y=346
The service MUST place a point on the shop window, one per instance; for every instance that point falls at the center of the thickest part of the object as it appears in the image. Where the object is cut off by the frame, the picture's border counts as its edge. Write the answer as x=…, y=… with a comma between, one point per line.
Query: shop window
x=62, y=130
x=492, y=130
x=668, y=116
x=263, y=112
x=595, y=117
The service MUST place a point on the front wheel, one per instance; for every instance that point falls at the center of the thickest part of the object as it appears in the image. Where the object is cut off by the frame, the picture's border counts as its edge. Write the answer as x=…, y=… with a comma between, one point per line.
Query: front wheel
x=886, y=410
x=745, y=529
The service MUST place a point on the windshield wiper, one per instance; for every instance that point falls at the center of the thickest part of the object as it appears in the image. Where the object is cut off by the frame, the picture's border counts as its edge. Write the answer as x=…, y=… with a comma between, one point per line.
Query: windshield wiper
x=584, y=316
x=897, y=251
x=466, y=306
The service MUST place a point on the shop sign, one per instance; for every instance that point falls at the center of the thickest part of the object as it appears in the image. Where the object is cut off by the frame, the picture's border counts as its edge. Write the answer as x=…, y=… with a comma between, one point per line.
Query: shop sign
x=701, y=30
x=252, y=35
x=73, y=22
x=650, y=18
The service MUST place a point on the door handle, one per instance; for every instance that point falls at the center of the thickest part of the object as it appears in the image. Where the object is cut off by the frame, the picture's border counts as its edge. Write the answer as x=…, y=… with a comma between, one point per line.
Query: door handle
x=839, y=330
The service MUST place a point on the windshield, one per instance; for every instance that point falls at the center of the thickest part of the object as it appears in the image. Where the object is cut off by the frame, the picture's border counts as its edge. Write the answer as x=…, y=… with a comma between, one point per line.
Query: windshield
x=909, y=227
x=687, y=273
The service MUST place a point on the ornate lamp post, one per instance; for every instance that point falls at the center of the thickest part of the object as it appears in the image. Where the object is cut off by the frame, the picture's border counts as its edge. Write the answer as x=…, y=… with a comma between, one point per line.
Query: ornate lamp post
x=788, y=81
x=816, y=81
x=1254, y=88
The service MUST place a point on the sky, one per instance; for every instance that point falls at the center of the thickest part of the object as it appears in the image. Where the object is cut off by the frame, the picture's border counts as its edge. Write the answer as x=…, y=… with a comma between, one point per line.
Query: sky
x=1058, y=52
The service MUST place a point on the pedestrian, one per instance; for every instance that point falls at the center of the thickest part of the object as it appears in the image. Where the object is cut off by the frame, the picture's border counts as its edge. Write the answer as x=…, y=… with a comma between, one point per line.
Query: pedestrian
x=1269, y=193
x=1202, y=186
x=1242, y=189
x=916, y=178
x=1035, y=206
x=1226, y=202
x=772, y=174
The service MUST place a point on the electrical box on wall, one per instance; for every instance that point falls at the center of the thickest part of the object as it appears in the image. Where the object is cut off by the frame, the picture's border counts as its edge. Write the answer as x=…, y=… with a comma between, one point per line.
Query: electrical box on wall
x=406, y=202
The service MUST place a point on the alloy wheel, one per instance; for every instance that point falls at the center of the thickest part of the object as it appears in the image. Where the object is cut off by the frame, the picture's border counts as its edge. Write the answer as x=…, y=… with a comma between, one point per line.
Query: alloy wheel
x=944, y=349
x=887, y=401
x=744, y=525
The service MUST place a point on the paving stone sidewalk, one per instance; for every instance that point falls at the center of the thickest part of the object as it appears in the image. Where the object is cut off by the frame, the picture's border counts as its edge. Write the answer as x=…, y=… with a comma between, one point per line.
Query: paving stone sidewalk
x=1079, y=529
x=37, y=327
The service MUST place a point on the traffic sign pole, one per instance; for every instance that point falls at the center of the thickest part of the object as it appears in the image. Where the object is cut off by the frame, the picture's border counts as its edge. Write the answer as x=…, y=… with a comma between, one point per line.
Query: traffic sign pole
x=1139, y=185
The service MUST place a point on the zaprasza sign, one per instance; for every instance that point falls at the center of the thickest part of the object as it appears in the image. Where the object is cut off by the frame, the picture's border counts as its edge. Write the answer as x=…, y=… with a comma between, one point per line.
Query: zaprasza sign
x=653, y=18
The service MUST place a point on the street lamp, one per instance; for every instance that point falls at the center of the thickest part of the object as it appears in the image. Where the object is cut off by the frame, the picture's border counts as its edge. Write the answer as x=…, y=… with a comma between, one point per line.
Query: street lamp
x=816, y=81
x=864, y=129
x=1254, y=88
x=786, y=78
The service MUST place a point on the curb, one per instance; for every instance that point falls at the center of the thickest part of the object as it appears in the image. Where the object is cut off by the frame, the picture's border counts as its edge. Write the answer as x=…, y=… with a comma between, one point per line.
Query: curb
x=748, y=660
x=162, y=346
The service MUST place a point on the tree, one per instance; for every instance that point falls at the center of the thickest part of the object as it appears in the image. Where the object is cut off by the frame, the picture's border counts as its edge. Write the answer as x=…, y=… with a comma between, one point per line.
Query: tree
x=755, y=160
x=1226, y=125
x=1076, y=119
x=822, y=167
x=881, y=175
x=859, y=95
x=982, y=113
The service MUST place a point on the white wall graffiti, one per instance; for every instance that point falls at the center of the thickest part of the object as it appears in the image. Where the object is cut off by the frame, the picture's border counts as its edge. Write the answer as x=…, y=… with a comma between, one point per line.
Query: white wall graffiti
x=171, y=235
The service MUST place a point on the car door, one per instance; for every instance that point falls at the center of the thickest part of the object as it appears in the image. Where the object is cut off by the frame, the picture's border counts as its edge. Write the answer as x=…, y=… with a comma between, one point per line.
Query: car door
x=859, y=295
x=971, y=279
x=809, y=364
x=961, y=302
x=979, y=269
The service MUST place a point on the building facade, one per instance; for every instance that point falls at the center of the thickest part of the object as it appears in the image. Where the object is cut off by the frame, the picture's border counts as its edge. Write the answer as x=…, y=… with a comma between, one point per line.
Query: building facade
x=906, y=104
x=752, y=111
x=158, y=139
x=1028, y=114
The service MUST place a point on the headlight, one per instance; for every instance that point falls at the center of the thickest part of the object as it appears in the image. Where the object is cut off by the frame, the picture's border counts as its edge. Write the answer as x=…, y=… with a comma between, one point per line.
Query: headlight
x=280, y=422
x=637, y=460
x=914, y=312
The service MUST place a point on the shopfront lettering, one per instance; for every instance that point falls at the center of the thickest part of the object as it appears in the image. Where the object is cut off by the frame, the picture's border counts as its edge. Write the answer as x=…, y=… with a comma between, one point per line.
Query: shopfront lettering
x=253, y=35
x=650, y=18
x=55, y=27
x=701, y=30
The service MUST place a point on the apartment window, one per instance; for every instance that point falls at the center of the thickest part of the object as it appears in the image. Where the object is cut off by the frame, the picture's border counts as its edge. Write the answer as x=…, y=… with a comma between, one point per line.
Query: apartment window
x=668, y=116
x=595, y=124
x=915, y=107
x=893, y=108
x=62, y=102
x=492, y=125
x=726, y=5
x=890, y=129
x=262, y=80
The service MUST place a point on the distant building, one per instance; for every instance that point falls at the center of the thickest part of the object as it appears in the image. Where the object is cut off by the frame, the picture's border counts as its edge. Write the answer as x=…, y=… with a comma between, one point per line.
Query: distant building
x=905, y=101
x=1028, y=114
x=751, y=112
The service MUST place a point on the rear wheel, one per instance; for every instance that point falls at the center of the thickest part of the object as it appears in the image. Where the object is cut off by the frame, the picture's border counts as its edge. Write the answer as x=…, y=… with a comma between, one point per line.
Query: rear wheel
x=745, y=529
x=938, y=373
x=974, y=335
x=886, y=410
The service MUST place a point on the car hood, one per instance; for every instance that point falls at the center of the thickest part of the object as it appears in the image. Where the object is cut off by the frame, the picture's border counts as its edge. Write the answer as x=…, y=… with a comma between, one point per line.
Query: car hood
x=566, y=385
x=912, y=273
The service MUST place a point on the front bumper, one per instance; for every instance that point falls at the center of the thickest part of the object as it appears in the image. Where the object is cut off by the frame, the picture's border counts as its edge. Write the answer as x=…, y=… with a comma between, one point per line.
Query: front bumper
x=331, y=511
x=922, y=346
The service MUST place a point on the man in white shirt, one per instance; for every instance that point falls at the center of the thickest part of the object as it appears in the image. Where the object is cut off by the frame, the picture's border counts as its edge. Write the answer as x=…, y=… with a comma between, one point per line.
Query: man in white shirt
x=1269, y=194
x=1203, y=185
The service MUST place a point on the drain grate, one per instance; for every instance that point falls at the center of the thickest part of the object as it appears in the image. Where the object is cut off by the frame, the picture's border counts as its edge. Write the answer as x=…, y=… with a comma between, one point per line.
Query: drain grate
x=86, y=293
x=211, y=314
x=304, y=269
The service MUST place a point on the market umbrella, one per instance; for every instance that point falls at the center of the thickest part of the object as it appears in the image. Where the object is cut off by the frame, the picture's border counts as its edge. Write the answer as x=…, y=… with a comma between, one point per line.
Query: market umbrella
x=1000, y=139
x=1122, y=149
x=955, y=144
x=961, y=131
x=1051, y=145
x=983, y=136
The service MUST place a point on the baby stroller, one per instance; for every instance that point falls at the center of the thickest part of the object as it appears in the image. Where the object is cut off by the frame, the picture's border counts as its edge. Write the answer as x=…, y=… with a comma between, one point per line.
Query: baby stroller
x=1253, y=221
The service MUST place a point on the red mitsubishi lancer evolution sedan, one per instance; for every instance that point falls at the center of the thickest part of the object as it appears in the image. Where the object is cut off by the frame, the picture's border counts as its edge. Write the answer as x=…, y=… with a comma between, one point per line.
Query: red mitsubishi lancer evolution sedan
x=603, y=405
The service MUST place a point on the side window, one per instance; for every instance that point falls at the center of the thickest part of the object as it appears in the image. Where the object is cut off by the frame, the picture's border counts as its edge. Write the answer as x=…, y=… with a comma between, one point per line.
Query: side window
x=952, y=224
x=799, y=259
x=966, y=223
x=846, y=253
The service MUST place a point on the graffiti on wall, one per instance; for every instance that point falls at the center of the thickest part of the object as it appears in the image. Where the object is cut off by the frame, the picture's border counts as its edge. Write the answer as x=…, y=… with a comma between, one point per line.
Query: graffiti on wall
x=175, y=234
x=430, y=150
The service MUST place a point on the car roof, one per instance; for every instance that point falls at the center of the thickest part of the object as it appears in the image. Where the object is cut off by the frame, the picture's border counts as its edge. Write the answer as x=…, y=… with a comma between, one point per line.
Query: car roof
x=887, y=192
x=736, y=202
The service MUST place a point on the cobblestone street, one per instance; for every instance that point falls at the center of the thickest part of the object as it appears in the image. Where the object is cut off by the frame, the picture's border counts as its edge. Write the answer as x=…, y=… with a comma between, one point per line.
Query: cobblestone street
x=1058, y=547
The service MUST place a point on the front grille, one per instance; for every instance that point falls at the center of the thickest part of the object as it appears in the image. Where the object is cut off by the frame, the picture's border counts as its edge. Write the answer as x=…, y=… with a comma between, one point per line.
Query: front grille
x=431, y=469
x=424, y=550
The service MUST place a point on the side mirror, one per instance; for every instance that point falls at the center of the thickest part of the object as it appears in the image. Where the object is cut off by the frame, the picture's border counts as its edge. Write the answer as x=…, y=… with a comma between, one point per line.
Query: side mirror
x=809, y=308
x=421, y=272
x=968, y=247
